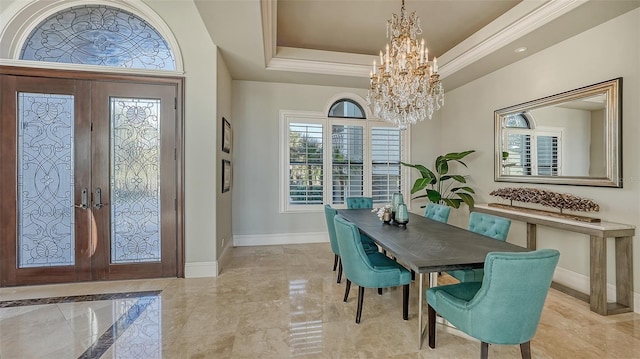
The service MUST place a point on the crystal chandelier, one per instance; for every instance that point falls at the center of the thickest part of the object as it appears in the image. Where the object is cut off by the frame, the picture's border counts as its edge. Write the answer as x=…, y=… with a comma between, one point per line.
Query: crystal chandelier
x=405, y=86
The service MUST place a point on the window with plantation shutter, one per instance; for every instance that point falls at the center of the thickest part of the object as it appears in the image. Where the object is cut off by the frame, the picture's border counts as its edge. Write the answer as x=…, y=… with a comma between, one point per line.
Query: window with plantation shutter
x=325, y=158
x=386, y=170
x=306, y=163
x=547, y=155
x=532, y=151
x=347, y=161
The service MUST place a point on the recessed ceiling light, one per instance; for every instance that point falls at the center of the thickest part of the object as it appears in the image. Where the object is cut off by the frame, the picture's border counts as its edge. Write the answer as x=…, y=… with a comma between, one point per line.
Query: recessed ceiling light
x=520, y=49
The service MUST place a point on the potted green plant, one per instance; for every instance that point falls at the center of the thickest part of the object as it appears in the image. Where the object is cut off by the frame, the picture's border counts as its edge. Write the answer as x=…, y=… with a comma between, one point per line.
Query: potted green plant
x=441, y=186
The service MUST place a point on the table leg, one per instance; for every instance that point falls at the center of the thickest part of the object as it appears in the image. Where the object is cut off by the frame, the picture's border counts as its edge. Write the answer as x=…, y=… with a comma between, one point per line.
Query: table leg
x=420, y=290
x=531, y=236
x=598, y=280
x=624, y=272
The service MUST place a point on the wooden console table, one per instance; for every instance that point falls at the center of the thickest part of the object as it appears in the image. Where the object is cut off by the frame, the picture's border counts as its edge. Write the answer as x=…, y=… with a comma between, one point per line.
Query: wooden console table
x=598, y=232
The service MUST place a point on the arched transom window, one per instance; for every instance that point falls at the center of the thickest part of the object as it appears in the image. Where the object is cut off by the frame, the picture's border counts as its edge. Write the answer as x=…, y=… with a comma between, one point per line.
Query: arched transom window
x=98, y=35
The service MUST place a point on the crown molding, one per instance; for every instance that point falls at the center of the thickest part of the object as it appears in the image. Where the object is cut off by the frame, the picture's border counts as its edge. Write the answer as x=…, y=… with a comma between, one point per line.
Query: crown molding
x=319, y=67
x=524, y=25
x=493, y=41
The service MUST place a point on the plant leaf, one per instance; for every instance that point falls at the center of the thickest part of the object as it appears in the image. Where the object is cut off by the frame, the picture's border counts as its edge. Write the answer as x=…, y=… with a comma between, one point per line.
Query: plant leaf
x=467, y=199
x=459, y=178
x=452, y=202
x=468, y=189
x=442, y=167
x=434, y=196
x=420, y=184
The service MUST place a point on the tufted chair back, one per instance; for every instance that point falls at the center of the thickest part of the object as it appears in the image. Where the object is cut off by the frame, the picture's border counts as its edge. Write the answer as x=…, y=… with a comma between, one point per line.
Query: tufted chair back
x=437, y=212
x=503, y=308
x=490, y=226
x=359, y=202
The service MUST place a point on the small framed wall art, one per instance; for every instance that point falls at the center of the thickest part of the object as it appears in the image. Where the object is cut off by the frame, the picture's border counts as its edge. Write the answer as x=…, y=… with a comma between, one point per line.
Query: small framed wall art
x=226, y=176
x=226, y=136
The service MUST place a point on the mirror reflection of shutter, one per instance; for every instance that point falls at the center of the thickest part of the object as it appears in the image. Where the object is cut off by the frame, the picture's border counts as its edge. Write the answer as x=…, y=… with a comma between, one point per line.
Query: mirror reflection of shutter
x=385, y=163
x=547, y=153
x=305, y=163
x=347, y=172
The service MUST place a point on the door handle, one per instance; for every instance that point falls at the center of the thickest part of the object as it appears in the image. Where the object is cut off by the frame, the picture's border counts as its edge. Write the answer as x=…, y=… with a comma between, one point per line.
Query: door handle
x=84, y=202
x=99, y=203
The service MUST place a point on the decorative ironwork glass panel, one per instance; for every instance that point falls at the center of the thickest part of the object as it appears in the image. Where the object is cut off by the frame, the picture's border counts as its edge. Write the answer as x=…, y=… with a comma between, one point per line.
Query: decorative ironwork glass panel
x=45, y=180
x=385, y=163
x=135, y=180
x=347, y=162
x=98, y=35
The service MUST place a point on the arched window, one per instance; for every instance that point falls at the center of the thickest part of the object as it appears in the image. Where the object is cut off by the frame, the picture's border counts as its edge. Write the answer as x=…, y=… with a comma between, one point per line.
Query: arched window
x=98, y=35
x=346, y=108
x=330, y=156
x=517, y=120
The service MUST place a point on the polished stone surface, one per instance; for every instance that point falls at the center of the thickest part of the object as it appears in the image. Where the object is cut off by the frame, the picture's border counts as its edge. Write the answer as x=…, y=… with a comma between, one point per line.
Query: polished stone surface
x=274, y=302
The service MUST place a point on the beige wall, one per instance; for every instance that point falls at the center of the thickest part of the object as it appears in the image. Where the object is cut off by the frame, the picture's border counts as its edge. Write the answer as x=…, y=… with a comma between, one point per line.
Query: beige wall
x=223, y=200
x=467, y=122
x=201, y=129
x=256, y=107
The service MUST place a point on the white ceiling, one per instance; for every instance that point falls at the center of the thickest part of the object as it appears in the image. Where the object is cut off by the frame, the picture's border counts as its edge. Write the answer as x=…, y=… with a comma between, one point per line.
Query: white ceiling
x=334, y=42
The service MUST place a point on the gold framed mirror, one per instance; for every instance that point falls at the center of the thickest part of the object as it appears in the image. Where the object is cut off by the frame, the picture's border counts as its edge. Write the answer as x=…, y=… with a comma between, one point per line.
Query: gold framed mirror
x=571, y=138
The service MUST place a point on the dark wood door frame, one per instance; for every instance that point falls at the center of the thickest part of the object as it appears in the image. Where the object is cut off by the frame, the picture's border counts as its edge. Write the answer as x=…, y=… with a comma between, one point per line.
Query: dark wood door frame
x=8, y=172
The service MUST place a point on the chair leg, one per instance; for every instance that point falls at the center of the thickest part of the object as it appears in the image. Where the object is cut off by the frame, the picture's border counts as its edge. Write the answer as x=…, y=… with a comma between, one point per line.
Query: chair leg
x=484, y=350
x=360, y=300
x=346, y=290
x=431, y=324
x=379, y=291
x=335, y=262
x=339, y=270
x=525, y=350
x=405, y=302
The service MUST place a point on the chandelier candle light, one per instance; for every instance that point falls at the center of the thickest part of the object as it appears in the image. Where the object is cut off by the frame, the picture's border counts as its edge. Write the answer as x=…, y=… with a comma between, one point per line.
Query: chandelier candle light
x=405, y=86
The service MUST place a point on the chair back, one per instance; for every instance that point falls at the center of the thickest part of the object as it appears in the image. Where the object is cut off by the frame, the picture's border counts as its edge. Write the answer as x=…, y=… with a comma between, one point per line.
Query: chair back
x=359, y=202
x=508, y=306
x=437, y=212
x=355, y=263
x=490, y=226
x=329, y=213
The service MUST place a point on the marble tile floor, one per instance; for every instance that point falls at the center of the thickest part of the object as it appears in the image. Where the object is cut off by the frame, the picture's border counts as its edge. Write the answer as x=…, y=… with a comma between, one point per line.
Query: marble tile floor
x=272, y=302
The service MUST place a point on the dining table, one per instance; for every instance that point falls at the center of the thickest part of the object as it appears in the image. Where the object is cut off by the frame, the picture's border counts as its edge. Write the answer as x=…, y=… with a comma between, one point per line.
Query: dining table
x=427, y=246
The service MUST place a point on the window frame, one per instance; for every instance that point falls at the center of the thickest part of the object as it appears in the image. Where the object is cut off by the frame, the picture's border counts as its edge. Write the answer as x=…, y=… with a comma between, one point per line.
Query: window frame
x=291, y=116
x=534, y=134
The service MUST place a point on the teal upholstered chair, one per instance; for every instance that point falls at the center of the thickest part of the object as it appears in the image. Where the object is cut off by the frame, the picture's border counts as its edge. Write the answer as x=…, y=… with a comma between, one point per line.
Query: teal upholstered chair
x=437, y=212
x=368, y=244
x=362, y=203
x=359, y=202
x=372, y=270
x=487, y=225
x=505, y=307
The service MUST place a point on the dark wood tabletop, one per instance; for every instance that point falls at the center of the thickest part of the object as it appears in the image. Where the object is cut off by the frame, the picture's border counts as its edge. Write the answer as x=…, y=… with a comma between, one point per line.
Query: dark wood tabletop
x=426, y=245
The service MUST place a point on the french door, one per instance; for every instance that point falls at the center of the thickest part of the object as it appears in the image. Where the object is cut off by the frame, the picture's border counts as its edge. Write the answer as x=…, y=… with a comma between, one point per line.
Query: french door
x=90, y=178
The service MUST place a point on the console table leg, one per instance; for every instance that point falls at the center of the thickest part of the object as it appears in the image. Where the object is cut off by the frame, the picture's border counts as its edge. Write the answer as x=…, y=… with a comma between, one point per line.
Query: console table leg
x=598, y=287
x=624, y=272
x=531, y=236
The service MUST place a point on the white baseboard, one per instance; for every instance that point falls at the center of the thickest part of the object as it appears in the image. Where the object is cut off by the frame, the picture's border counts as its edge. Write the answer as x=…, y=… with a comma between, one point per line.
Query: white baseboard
x=580, y=282
x=201, y=269
x=279, y=238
